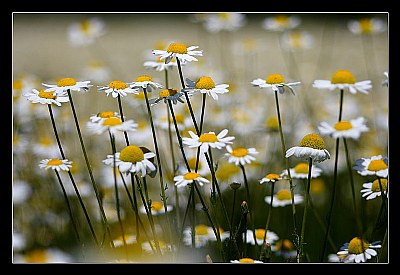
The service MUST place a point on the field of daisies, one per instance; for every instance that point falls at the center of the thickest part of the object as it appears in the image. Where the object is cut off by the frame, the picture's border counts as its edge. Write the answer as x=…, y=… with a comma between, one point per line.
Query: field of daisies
x=254, y=138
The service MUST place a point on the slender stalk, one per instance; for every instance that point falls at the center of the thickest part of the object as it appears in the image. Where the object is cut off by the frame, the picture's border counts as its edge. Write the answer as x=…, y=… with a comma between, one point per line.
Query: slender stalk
x=262, y=255
x=122, y=118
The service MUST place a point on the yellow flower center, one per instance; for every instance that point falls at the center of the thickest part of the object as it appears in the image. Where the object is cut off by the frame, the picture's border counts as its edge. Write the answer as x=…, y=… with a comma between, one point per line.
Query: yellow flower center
x=275, y=79
x=295, y=40
x=47, y=95
x=317, y=186
x=131, y=154
x=180, y=119
x=225, y=172
x=201, y=229
x=377, y=165
x=168, y=92
x=177, y=48
x=365, y=25
x=343, y=125
x=191, y=176
x=106, y=114
x=66, y=82
x=55, y=162
x=313, y=141
x=343, y=77
x=45, y=141
x=301, y=168
x=282, y=20
x=36, y=256
x=117, y=85
x=17, y=85
x=192, y=163
x=272, y=123
x=143, y=78
x=112, y=121
x=240, y=152
x=285, y=244
x=357, y=246
x=156, y=205
x=283, y=195
x=376, y=187
x=272, y=176
x=260, y=233
x=205, y=82
x=139, y=96
x=246, y=260
x=85, y=25
x=224, y=16
x=208, y=137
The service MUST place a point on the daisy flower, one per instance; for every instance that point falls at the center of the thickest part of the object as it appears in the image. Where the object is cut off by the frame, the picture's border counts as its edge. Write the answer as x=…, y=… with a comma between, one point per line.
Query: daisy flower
x=376, y=165
x=129, y=239
x=344, y=128
x=300, y=171
x=297, y=40
x=183, y=122
x=240, y=155
x=206, y=85
x=132, y=159
x=55, y=164
x=160, y=65
x=180, y=51
x=21, y=191
x=45, y=147
x=270, y=178
x=343, y=79
x=366, y=26
x=46, y=97
x=203, y=234
x=102, y=116
x=284, y=248
x=112, y=124
x=280, y=23
x=145, y=82
x=167, y=94
x=116, y=88
x=165, y=247
x=373, y=189
x=224, y=21
x=246, y=261
x=358, y=250
x=48, y=255
x=66, y=84
x=86, y=31
x=283, y=197
x=275, y=82
x=157, y=208
x=311, y=146
x=183, y=180
x=271, y=236
x=207, y=140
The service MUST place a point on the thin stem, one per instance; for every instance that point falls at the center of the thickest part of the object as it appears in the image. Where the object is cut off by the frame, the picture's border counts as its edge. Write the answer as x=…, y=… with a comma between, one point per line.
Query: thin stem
x=262, y=255
x=122, y=118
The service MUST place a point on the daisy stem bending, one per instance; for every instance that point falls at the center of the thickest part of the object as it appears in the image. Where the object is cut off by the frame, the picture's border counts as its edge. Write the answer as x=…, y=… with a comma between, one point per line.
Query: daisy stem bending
x=122, y=118
x=103, y=214
x=72, y=178
x=263, y=250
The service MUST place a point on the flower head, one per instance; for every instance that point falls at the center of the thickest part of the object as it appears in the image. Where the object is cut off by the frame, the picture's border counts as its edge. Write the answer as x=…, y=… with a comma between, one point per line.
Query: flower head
x=86, y=31
x=300, y=171
x=102, y=116
x=283, y=197
x=160, y=65
x=68, y=84
x=376, y=165
x=240, y=155
x=344, y=128
x=270, y=238
x=311, y=146
x=112, y=124
x=117, y=87
x=183, y=180
x=207, y=140
x=358, y=250
x=281, y=22
x=343, y=80
x=145, y=82
x=203, y=234
x=47, y=97
x=373, y=189
x=246, y=261
x=167, y=94
x=157, y=208
x=275, y=82
x=180, y=51
x=55, y=164
x=367, y=26
x=224, y=21
x=206, y=85
x=270, y=178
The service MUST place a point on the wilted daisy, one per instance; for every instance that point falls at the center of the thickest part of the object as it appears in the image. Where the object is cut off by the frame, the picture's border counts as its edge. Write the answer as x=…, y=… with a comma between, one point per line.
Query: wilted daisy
x=132, y=159
x=271, y=236
x=373, y=189
x=283, y=197
x=300, y=171
x=367, y=26
x=203, y=234
x=281, y=22
x=206, y=85
x=376, y=165
x=160, y=65
x=68, y=83
x=358, y=250
x=145, y=82
x=46, y=97
x=270, y=178
x=157, y=208
x=56, y=164
x=183, y=180
x=112, y=124
x=180, y=51
x=167, y=94
x=240, y=155
x=86, y=31
x=207, y=140
x=311, y=146
x=343, y=80
x=246, y=261
x=275, y=82
x=224, y=21
x=117, y=87
x=344, y=128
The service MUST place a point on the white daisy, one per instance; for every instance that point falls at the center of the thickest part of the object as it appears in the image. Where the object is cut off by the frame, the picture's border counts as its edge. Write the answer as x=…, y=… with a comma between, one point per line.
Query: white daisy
x=45, y=147
x=311, y=146
x=224, y=21
x=344, y=80
x=206, y=85
x=40, y=256
x=180, y=51
x=246, y=261
x=129, y=239
x=283, y=197
x=203, y=234
x=270, y=178
x=132, y=159
x=167, y=94
x=275, y=82
x=344, y=128
x=46, y=97
x=270, y=238
x=160, y=65
x=373, y=189
x=145, y=82
x=358, y=250
x=86, y=31
x=284, y=248
x=116, y=88
x=150, y=248
x=367, y=26
x=376, y=165
x=112, y=124
x=240, y=155
x=68, y=83
x=55, y=164
x=157, y=208
x=102, y=116
x=183, y=180
x=300, y=171
x=297, y=40
x=207, y=140
x=281, y=22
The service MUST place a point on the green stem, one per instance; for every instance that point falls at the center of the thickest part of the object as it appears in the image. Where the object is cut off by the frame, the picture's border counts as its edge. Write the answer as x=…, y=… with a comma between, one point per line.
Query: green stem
x=262, y=255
